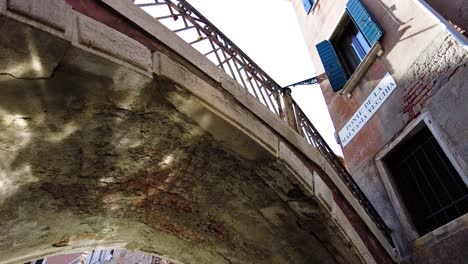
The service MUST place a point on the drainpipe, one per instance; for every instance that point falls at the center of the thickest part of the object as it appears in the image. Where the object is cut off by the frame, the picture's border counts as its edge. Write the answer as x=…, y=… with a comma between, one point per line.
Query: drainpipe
x=443, y=23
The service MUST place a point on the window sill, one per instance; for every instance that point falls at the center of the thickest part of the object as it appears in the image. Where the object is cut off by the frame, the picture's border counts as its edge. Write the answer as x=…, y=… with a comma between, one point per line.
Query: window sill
x=374, y=52
x=442, y=232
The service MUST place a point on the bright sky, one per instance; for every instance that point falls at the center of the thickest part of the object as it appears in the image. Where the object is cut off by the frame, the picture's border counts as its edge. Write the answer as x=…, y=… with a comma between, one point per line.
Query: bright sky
x=268, y=32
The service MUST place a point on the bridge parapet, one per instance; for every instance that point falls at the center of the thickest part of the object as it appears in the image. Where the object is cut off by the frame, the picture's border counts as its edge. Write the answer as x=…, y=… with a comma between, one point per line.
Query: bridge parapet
x=144, y=51
x=183, y=19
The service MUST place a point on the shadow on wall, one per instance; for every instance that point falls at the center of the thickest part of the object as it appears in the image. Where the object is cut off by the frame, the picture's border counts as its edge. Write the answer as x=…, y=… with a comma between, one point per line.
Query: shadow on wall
x=71, y=145
x=84, y=163
x=88, y=149
x=395, y=30
x=455, y=12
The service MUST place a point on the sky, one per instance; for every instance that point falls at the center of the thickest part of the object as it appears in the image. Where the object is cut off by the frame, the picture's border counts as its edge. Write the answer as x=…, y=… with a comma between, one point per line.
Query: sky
x=268, y=32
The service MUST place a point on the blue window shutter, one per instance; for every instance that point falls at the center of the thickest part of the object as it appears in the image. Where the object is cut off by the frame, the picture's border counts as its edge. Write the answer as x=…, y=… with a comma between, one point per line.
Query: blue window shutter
x=308, y=5
x=364, y=21
x=332, y=64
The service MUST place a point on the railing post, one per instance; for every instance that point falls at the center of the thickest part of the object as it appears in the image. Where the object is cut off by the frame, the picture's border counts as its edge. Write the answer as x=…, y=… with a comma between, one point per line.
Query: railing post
x=288, y=105
x=278, y=99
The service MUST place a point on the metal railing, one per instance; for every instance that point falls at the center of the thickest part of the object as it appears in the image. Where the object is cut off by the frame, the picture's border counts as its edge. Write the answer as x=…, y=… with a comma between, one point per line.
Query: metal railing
x=184, y=20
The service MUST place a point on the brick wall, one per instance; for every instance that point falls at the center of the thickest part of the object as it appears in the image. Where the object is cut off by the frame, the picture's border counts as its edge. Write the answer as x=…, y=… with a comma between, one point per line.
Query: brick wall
x=437, y=65
x=417, y=95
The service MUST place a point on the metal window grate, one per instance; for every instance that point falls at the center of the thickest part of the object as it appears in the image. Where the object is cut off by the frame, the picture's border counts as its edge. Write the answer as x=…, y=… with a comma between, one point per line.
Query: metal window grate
x=431, y=188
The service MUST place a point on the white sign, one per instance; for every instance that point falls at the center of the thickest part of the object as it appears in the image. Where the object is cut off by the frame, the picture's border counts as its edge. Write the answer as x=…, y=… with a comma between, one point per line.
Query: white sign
x=370, y=106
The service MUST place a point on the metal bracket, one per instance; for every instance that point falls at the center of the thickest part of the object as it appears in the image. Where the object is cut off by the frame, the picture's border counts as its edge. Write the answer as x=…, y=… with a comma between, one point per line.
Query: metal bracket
x=310, y=81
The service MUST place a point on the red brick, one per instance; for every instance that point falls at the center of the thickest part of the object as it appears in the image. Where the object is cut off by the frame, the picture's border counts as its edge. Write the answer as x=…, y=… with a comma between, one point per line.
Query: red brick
x=416, y=97
x=425, y=101
x=428, y=86
x=413, y=88
x=417, y=108
x=411, y=98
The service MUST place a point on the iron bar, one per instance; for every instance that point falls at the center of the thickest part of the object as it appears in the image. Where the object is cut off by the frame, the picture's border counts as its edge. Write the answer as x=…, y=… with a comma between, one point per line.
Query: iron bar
x=312, y=80
x=211, y=51
x=165, y=17
x=183, y=29
x=198, y=40
x=149, y=4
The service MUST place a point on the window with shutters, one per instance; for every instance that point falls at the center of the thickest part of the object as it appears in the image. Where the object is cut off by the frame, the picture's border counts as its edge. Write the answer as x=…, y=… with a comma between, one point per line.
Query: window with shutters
x=352, y=48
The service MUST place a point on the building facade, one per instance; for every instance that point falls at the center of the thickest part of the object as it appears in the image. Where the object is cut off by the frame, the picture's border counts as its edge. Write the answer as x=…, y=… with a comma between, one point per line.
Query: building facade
x=396, y=92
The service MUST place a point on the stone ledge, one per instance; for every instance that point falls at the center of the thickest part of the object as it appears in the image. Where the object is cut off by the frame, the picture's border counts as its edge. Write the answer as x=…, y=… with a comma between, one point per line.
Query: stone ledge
x=252, y=103
x=29, y=53
x=218, y=102
x=166, y=36
x=100, y=37
x=326, y=198
x=297, y=166
x=357, y=207
x=49, y=12
x=123, y=76
x=348, y=231
x=2, y=6
x=323, y=193
x=271, y=119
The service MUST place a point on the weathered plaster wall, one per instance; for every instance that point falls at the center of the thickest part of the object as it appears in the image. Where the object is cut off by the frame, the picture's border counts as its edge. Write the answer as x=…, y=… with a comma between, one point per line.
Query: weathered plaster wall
x=84, y=162
x=446, y=246
x=431, y=84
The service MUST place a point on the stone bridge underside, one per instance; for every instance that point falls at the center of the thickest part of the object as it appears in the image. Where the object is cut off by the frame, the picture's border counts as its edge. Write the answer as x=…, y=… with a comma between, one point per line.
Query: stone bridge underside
x=94, y=152
x=84, y=163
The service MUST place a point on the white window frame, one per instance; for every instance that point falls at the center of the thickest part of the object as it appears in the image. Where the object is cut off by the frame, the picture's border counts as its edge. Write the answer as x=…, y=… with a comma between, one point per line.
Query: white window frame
x=390, y=186
x=312, y=10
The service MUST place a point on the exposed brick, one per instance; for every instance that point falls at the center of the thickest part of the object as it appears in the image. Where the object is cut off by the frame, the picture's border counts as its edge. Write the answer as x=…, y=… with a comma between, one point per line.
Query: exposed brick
x=403, y=107
x=412, y=89
x=417, y=108
x=425, y=101
x=406, y=117
x=424, y=76
x=417, y=97
x=428, y=86
x=416, y=89
x=412, y=114
x=411, y=98
x=408, y=108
